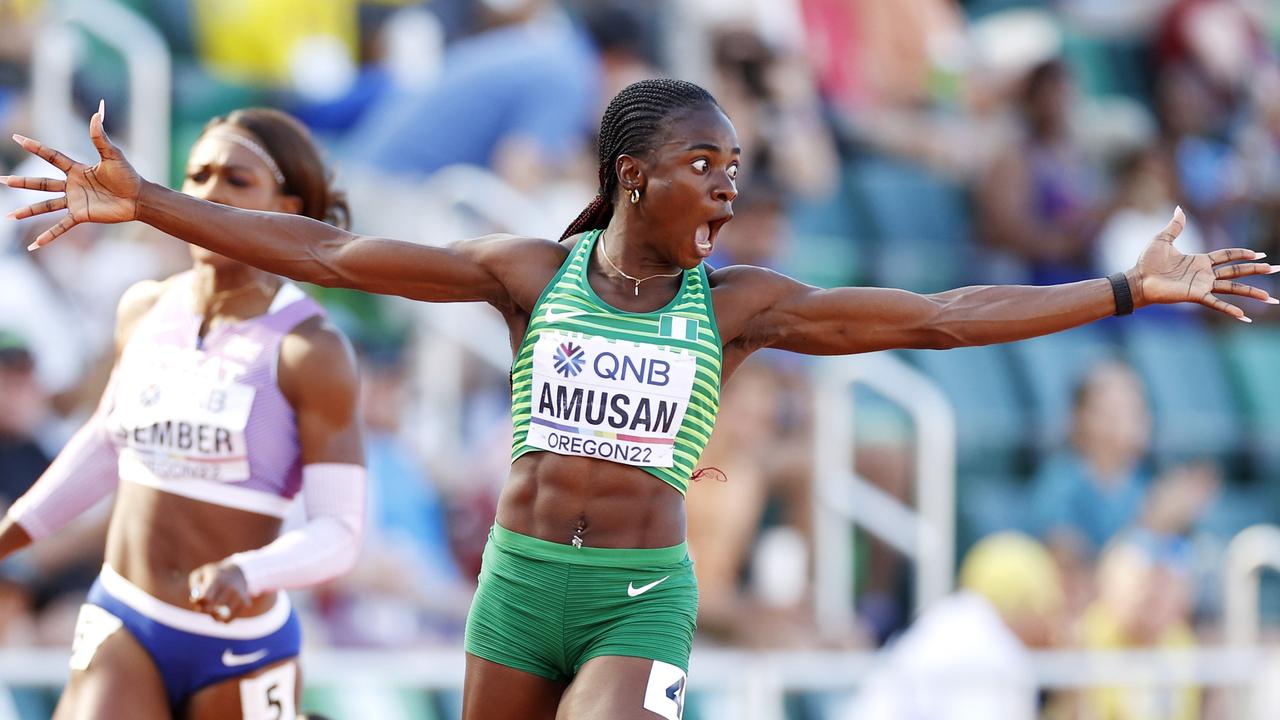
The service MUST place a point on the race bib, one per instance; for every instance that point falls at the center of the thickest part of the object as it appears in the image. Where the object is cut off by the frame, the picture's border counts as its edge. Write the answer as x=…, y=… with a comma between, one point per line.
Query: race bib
x=608, y=399
x=184, y=426
x=93, y=626
x=270, y=694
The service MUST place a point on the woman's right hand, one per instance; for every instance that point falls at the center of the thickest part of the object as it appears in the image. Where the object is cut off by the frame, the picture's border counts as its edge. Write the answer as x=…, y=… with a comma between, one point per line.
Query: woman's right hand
x=105, y=193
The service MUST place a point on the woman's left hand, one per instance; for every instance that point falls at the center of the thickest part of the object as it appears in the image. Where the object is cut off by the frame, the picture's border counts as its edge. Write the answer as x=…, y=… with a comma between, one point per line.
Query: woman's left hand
x=1164, y=275
x=220, y=590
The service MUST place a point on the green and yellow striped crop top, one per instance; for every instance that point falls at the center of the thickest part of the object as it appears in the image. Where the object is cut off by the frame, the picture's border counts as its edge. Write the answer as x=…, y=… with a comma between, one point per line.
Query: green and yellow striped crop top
x=639, y=389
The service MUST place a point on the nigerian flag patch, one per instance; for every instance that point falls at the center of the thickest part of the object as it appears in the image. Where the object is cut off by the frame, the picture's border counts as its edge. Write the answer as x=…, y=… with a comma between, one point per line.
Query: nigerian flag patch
x=675, y=326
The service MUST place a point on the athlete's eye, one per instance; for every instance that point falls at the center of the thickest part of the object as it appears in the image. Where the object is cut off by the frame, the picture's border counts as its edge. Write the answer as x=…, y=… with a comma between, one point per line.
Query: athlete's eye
x=733, y=172
x=198, y=176
x=701, y=165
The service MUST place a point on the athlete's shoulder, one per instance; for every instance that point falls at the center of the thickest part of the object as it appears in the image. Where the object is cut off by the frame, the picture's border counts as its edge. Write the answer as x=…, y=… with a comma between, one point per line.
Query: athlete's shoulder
x=135, y=303
x=316, y=357
x=747, y=278
x=569, y=243
x=523, y=265
x=140, y=297
x=316, y=340
x=742, y=293
x=506, y=247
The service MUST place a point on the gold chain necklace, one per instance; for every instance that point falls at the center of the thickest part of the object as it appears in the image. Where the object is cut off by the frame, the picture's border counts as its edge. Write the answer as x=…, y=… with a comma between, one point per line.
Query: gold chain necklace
x=604, y=251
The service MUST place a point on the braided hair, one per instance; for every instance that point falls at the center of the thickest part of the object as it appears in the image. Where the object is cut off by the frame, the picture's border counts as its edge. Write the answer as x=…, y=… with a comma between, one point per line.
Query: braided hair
x=631, y=126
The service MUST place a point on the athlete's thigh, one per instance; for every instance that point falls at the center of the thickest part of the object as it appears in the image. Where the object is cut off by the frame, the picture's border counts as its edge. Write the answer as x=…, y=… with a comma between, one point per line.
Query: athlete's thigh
x=268, y=693
x=611, y=687
x=121, y=681
x=497, y=692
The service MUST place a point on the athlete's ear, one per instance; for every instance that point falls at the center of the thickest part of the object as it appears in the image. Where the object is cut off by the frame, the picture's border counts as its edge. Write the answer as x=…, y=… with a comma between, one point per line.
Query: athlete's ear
x=291, y=204
x=630, y=174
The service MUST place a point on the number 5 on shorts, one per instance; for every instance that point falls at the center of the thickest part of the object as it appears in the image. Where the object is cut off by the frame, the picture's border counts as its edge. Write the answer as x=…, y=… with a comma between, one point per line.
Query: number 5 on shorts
x=269, y=696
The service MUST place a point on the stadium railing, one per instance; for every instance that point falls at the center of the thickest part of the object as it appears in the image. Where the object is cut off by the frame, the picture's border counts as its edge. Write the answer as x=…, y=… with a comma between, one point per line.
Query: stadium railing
x=56, y=56
x=755, y=685
x=843, y=500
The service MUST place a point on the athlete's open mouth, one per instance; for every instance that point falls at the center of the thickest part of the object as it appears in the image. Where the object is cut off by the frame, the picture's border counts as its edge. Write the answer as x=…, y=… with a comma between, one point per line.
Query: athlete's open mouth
x=704, y=238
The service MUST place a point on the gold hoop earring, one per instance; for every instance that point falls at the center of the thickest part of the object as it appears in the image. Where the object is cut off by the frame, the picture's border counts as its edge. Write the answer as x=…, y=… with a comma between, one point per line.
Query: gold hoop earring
x=635, y=196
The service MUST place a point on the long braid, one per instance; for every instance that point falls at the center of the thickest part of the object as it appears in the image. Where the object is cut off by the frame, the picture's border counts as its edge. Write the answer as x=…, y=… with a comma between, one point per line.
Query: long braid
x=631, y=125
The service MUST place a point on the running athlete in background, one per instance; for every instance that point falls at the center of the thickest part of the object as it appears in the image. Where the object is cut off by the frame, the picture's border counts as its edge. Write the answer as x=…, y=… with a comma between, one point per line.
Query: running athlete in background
x=622, y=336
x=231, y=392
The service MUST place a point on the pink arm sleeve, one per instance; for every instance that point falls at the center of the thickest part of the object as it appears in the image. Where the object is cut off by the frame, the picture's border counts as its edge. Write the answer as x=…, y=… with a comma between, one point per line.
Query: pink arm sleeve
x=326, y=546
x=86, y=471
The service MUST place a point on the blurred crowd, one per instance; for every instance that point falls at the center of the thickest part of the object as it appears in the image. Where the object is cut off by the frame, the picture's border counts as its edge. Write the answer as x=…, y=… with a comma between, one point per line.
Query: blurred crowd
x=922, y=144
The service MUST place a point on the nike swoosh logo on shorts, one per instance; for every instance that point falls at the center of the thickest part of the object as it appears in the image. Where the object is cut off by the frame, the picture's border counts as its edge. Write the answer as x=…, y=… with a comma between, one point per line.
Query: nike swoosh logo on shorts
x=553, y=316
x=633, y=591
x=231, y=659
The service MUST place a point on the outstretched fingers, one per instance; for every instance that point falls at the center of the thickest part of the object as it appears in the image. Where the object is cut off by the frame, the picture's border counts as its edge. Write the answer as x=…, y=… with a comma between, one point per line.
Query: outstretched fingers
x=34, y=183
x=1174, y=228
x=1242, y=290
x=46, y=153
x=1226, y=255
x=40, y=208
x=1211, y=301
x=48, y=236
x=1227, y=272
x=98, y=134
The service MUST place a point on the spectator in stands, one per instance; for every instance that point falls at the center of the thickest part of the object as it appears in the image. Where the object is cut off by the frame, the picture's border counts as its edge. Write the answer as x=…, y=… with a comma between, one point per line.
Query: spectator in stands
x=746, y=598
x=18, y=19
x=397, y=46
x=1144, y=602
x=771, y=95
x=620, y=31
x=54, y=580
x=908, y=79
x=26, y=406
x=1216, y=39
x=21, y=462
x=279, y=43
x=872, y=55
x=1145, y=194
x=1039, y=200
x=33, y=306
x=515, y=98
x=966, y=657
x=1085, y=495
x=1211, y=176
x=1258, y=144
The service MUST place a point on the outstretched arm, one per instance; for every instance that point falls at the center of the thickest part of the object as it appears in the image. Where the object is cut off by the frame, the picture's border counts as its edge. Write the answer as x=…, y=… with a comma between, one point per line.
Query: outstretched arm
x=318, y=375
x=810, y=320
x=85, y=471
x=290, y=245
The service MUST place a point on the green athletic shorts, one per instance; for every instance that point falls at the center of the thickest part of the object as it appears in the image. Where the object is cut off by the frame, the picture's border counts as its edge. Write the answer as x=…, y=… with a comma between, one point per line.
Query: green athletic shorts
x=546, y=608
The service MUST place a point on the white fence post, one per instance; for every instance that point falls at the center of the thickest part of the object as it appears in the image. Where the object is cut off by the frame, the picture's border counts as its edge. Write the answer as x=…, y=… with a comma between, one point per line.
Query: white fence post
x=842, y=500
x=148, y=63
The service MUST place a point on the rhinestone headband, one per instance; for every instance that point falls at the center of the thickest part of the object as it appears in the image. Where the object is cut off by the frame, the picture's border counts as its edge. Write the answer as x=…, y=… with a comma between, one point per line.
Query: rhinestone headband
x=254, y=148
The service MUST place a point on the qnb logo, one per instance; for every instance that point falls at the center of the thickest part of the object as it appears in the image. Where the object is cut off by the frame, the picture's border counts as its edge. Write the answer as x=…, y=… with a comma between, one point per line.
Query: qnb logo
x=569, y=359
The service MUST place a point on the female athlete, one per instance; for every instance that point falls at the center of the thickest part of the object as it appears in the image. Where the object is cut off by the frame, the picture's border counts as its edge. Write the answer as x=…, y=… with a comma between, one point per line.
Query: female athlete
x=622, y=337
x=230, y=393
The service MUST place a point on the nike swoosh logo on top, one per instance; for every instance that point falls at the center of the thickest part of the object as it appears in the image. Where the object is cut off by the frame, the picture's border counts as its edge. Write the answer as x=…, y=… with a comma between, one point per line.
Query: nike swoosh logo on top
x=231, y=659
x=633, y=591
x=553, y=316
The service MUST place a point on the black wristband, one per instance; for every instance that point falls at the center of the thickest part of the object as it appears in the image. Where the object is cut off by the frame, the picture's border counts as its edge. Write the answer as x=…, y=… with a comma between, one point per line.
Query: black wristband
x=1124, y=297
